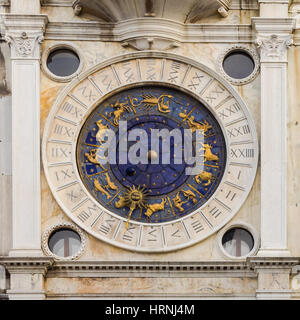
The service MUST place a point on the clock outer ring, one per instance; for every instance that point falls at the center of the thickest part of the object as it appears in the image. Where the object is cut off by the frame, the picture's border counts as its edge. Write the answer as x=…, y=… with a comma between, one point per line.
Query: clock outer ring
x=164, y=57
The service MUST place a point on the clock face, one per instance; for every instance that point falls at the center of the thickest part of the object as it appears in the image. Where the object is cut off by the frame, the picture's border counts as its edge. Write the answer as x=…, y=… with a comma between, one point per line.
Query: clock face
x=146, y=199
x=165, y=189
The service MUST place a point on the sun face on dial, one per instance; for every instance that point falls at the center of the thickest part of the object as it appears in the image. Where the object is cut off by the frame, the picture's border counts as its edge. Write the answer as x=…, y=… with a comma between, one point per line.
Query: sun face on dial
x=155, y=191
x=156, y=118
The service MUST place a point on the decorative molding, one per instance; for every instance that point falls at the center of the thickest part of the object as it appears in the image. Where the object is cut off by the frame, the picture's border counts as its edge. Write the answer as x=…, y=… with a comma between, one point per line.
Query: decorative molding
x=244, y=5
x=24, y=265
x=241, y=225
x=274, y=47
x=149, y=28
x=150, y=44
x=145, y=269
x=273, y=25
x=191, y=11
x=140, y=269
x=257, y=263
x=235, y=4
x=57, y=3
x=239, y=47
x=24, y=34
x=63, y=225
x=23, y=45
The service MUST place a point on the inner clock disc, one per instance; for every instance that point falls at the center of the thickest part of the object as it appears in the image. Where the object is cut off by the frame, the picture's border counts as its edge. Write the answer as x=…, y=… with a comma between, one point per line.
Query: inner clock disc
x=151, y=192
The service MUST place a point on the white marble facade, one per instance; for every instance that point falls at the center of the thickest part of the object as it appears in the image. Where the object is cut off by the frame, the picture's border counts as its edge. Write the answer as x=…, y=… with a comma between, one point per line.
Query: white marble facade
x=197, y=34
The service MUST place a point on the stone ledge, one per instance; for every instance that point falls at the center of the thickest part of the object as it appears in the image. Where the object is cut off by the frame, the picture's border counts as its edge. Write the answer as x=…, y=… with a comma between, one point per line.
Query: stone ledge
x=23, y=265
x=256, y=263
x=146, y=27
x=149, y=269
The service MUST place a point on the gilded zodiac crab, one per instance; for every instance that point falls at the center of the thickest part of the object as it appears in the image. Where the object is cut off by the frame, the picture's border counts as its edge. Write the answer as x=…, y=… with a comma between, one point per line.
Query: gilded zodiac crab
x=204, y=176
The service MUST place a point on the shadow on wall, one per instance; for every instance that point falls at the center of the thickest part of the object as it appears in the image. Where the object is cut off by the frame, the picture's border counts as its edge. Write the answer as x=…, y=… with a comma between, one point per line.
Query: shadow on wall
x=4, y=91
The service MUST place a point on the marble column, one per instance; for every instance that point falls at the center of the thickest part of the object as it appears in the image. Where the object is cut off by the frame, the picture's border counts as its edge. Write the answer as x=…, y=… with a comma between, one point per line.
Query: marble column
x=273, y=40
x=24, y=34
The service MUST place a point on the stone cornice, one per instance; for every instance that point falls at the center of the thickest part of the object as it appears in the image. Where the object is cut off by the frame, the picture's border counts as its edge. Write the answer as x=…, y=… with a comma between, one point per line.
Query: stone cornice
x=235, y=4
x=28, y=21
x=273, y=25
x=150, y=269
x=269, y=263
x=149, y=27
x=26, y=265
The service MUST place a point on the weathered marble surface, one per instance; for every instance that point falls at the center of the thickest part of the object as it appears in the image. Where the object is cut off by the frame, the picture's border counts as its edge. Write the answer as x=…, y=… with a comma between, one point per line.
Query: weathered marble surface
x=293, y=151
x=143, y=287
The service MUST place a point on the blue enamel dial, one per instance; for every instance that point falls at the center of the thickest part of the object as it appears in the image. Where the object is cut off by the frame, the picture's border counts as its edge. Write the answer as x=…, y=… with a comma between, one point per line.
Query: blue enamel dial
x=147, y=192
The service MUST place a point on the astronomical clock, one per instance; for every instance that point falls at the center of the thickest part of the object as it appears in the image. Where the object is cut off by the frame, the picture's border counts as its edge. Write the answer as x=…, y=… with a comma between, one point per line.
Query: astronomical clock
x=153, y=206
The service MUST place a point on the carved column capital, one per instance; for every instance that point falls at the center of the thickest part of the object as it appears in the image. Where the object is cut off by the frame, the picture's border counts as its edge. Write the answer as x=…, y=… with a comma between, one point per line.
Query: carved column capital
x=273, y=37
x=273, y=48
x=24, y=34
x=24, y=45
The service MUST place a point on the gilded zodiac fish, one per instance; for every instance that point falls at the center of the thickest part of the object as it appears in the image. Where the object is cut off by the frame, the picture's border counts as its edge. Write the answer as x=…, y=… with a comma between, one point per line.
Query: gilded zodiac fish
x=110, y=184
x=101, y=189
x=150, y=101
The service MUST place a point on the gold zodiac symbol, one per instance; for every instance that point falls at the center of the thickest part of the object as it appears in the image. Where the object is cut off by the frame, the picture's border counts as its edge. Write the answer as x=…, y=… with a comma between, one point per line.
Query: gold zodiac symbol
x=178, y=202
x=110, y=184
x=121, y=109
x=93, y=158
x=208, y=155
x=151, y=102
x=204, y=176
x=102, y=129
x=133, y=198
x=101, y=189
x=152, y=208
x=195, y=125
x=190, y=195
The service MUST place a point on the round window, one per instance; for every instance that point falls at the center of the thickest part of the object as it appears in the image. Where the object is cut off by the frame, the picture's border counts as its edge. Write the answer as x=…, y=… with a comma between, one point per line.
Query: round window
x=238, y=64
x=63, y=62
x=64, y=243
x=238, y=242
